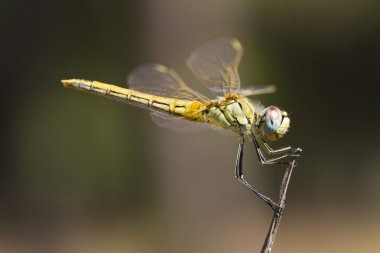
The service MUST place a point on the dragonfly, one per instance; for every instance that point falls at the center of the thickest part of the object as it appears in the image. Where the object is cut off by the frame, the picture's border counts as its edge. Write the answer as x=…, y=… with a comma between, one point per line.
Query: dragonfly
x=174, y=105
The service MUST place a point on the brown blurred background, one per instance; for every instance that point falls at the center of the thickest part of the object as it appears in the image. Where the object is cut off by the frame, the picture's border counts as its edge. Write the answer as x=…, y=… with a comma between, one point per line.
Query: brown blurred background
x=84, y=174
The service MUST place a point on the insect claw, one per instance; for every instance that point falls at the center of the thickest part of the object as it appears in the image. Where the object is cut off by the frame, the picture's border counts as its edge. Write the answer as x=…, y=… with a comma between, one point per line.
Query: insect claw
x=296, y=152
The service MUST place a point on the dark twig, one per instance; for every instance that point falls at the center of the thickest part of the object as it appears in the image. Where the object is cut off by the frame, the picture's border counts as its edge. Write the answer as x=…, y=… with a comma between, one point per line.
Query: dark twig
x=278, y=212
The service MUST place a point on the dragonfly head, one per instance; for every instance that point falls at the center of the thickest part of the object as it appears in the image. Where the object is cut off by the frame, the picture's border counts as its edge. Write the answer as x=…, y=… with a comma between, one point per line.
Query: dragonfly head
x=273, y=123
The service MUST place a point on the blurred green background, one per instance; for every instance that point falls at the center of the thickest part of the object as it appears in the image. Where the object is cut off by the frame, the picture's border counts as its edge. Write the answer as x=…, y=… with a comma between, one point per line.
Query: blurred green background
x=80, y=173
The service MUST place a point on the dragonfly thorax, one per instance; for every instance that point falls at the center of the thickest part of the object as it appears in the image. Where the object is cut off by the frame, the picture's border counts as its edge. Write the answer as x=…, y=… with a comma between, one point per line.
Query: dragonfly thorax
x=237, y=115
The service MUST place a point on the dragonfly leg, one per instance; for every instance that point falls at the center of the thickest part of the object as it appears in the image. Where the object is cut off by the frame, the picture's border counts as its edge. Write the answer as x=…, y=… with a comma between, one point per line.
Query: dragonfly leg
x=240, y=177
x=272, y=151
x=295, y=152
x=277, y=159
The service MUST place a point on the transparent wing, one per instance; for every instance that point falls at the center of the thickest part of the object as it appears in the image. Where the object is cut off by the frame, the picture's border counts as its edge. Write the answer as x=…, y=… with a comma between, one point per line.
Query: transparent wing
x=182, y=126
x=179, y=125
x=159, y=80
x=257, y=90
x=215, y=64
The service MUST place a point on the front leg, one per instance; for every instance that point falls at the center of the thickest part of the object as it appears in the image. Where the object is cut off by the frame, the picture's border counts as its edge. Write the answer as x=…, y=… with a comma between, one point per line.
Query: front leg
x=291, y=152
x=270, y=151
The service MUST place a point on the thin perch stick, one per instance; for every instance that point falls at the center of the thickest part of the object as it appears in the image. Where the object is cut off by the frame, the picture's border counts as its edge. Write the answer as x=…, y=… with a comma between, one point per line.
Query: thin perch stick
x=278, y=212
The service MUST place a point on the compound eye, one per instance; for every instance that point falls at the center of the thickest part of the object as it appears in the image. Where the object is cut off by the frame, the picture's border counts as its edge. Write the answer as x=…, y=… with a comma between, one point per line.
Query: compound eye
x=273, y=119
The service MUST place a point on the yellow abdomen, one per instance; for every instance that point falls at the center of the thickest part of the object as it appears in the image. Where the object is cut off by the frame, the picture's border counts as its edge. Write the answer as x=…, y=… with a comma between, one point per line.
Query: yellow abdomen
x=188, y=109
